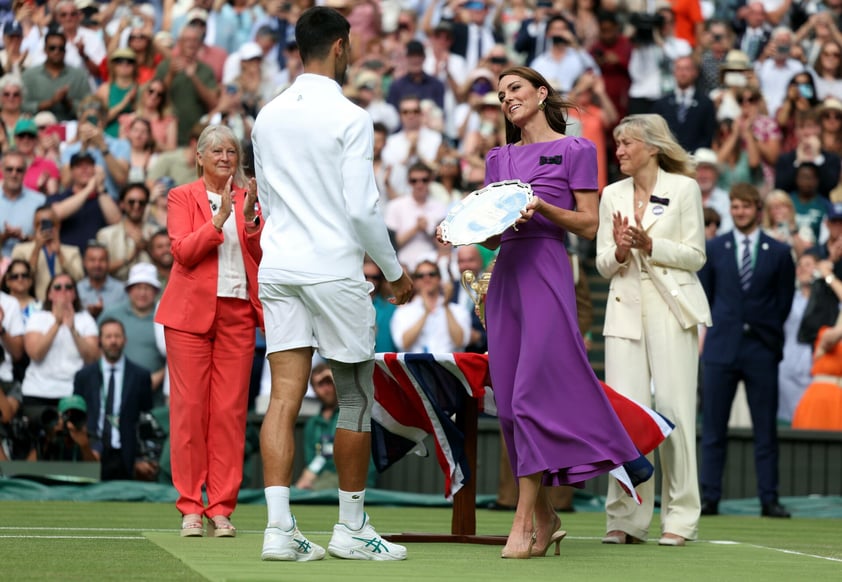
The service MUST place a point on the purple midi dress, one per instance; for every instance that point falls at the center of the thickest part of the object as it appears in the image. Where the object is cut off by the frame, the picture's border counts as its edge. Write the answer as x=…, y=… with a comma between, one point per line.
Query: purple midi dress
x=554, y=415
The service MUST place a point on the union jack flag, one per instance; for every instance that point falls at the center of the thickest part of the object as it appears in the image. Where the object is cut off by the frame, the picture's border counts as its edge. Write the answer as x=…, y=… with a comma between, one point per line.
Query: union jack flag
x=418, y=395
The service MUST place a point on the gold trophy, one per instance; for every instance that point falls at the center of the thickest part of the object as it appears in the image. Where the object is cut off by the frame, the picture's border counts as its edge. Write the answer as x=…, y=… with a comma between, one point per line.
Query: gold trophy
x=477, y=288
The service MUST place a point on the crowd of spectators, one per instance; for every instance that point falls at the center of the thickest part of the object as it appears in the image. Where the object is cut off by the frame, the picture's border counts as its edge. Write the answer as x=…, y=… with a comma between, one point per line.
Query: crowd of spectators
x=101, y=104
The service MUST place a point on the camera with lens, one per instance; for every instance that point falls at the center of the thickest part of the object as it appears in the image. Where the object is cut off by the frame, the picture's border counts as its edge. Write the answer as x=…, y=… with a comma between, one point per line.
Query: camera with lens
x=79, y=418
x=644, y=26
x=150, y=438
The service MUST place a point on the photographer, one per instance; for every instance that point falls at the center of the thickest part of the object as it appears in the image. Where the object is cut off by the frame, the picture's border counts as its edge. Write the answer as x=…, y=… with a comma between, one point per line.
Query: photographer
x=63, y=435
x=651, y=66
x=46, y=253
x=564, y=61
x=780, y=60
x=116, y=391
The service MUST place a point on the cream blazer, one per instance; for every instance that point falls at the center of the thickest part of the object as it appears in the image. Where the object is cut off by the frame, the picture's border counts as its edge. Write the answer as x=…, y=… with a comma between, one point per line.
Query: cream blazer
x=673, y=220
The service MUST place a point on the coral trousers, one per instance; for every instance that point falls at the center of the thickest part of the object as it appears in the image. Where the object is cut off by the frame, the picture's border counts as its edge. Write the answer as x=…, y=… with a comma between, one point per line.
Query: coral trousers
x=209, y=382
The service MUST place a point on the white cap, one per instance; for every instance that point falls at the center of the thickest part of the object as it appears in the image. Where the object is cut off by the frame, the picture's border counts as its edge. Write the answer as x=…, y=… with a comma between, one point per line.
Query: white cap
x=250, y=50
x=143, y=273
x=44, y=118
x=706, y=156
x=196, y=14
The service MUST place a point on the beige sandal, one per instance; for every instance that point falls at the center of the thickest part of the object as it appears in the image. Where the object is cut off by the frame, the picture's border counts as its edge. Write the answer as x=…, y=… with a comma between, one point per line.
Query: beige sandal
x=221, y=527
x=191, y=526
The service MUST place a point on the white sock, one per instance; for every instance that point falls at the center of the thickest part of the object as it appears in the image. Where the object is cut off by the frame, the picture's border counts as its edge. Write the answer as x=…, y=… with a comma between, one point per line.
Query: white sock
x=352, y=508
x=277, y=502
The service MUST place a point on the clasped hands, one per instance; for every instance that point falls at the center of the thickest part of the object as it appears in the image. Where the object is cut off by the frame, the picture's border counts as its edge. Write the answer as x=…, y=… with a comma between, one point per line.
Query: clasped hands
x=226, y=204
x=628, y=237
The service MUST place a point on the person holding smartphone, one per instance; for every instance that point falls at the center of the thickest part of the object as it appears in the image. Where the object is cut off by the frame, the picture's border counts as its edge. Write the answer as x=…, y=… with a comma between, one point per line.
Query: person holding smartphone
x=45, y=253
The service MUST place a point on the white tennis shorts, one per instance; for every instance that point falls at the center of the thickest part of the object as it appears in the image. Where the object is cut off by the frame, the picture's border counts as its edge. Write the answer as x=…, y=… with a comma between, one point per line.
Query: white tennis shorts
x=335, y=317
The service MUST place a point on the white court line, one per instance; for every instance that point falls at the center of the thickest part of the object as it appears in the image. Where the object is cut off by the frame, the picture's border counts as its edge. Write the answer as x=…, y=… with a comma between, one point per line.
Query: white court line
x=734, y=543
x=796, y=553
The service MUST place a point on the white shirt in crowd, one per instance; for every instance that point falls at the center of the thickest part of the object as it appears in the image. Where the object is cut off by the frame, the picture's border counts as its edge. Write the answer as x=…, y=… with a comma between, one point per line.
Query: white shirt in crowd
x=396, y=155
x=13, y=324
x=402, y=215
x=52, y=377
x=434, y=337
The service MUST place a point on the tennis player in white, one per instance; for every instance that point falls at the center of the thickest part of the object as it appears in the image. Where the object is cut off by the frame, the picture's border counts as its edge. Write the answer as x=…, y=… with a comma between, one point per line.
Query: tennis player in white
x=313, y=152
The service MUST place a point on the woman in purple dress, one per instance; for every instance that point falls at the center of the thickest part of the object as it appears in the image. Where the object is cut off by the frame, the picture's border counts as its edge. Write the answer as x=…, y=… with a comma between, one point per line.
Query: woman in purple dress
x=557, y=423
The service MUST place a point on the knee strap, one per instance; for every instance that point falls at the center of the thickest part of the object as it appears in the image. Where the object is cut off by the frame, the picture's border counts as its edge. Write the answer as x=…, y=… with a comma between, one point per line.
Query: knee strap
x=354, y=393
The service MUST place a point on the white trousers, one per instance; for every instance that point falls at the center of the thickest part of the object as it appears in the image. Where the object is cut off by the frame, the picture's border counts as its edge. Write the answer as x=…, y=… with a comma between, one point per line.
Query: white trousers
x=667, y=357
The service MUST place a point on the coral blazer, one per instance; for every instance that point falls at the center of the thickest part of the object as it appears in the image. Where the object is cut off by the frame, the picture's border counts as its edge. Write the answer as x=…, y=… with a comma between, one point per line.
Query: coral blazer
x=187, y=303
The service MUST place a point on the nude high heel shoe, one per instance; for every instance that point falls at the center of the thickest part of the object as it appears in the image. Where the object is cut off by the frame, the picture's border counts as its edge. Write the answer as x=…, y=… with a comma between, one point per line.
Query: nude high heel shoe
x=520, y=555
x=556, y=538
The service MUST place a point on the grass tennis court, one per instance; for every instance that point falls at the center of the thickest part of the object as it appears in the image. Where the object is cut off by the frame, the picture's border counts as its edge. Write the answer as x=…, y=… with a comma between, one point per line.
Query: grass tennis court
x=65, y=540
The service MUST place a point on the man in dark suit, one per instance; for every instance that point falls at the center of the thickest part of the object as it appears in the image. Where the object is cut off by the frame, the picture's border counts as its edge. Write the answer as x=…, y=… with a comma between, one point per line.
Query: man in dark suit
x=473, y=38
x=116, y=392
x=749, y=282
x=688, y=112
x=752, y=29
x=531, y=40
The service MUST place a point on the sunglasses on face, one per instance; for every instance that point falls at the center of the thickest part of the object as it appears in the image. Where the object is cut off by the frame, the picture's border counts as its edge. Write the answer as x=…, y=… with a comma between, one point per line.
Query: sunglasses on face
x=748, y=99
x=122, y=61
x=418, y=180
x=832, y=115
x=136, y=202
x=56, y=48
x=154, y=92
x=14, y=169
x=425, y=275
x=11, y=94
x=374, y=277
x=63, y=287
x=19, y=276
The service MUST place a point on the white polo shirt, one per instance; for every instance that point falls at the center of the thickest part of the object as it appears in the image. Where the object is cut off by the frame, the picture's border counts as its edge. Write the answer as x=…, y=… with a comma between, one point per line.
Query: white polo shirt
x=313, y=152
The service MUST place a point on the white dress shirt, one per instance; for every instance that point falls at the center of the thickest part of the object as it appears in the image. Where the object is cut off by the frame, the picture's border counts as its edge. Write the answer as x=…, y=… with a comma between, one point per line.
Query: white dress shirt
x=119, y=373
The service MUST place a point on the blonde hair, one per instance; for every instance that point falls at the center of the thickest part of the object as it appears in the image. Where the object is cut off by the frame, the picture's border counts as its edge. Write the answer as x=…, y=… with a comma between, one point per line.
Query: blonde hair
x=652, y=129
x=776, y=197
x=214, y=135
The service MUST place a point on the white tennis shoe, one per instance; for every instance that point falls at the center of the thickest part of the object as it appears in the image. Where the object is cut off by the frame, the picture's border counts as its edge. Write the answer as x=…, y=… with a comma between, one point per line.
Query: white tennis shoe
x=362, y=544
x=289, y=546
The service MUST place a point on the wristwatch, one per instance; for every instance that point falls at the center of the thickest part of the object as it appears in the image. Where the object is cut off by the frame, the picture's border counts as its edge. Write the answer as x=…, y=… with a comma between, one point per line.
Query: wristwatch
x=830, y=278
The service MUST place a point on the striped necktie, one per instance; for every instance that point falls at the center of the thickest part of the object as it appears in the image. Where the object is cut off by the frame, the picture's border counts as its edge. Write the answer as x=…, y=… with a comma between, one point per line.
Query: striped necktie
x=745, y=265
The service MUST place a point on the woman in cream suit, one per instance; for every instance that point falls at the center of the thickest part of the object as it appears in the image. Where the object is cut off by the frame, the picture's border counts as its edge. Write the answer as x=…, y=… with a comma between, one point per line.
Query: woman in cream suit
x=650, y=243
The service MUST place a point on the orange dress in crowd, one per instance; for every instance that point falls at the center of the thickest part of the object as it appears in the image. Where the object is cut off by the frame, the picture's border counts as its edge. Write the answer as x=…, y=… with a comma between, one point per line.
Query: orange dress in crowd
x=820, y=408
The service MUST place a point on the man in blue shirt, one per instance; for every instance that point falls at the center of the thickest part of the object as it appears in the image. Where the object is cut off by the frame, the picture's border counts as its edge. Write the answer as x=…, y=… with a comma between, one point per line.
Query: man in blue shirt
x=17, y=204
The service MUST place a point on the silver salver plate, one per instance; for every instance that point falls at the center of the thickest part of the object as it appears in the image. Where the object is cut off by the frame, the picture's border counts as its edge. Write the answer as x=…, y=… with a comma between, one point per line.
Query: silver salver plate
x=486, y=212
